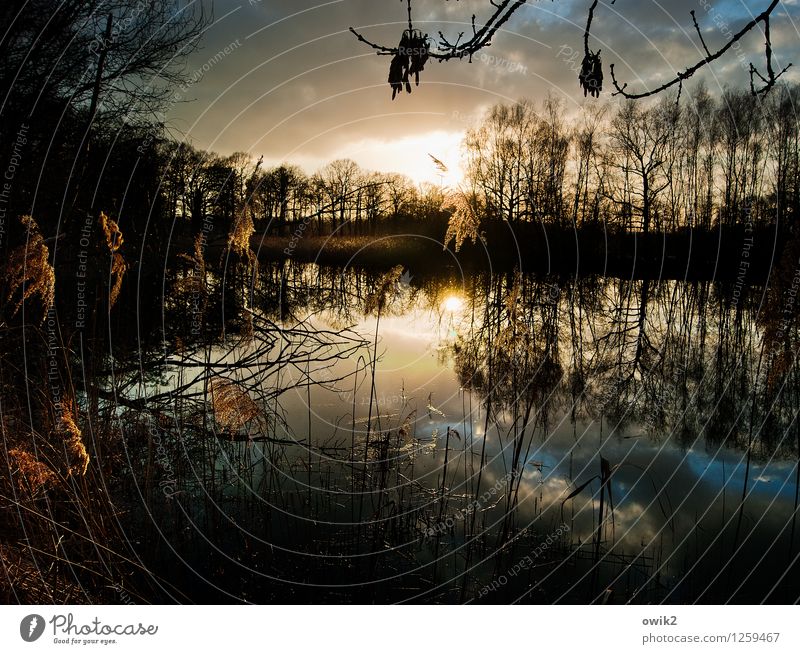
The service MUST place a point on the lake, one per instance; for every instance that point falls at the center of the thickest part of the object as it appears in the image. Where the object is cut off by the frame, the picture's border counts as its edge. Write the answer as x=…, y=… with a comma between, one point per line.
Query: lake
x=356, y=435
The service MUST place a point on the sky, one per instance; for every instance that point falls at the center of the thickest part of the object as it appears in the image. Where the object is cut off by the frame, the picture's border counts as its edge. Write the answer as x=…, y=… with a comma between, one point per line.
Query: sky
x=296, y=86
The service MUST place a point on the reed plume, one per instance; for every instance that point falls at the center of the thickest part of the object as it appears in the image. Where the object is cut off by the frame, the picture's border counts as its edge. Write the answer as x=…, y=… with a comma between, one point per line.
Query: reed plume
x=196, y=282
x=233, y=406
x=240, y=234
x=31, y=475
x=465, y=210
x=77, y=456
x=28, y=269
x=114, y=241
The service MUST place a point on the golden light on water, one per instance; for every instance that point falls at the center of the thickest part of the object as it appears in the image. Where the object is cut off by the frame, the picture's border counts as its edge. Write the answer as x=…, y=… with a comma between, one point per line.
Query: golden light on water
x=453, y=303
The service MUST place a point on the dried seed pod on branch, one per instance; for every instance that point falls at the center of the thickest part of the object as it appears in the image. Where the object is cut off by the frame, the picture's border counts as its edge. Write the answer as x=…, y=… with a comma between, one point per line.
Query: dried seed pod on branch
x=591, y=75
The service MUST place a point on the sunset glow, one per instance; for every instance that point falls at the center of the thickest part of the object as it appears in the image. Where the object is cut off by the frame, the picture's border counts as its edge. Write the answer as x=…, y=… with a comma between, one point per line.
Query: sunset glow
x=453, y=304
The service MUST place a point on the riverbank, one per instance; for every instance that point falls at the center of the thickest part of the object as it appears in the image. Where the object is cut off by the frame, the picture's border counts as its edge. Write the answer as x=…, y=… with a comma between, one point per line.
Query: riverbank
x=724, y=254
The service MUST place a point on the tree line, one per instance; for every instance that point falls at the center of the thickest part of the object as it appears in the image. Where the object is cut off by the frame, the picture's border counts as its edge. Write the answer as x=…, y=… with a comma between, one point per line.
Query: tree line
x=700, y=163
x=339, y=198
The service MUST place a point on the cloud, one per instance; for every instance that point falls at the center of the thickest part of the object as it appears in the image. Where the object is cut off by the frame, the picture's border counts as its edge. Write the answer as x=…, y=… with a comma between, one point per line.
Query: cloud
x=301, y=87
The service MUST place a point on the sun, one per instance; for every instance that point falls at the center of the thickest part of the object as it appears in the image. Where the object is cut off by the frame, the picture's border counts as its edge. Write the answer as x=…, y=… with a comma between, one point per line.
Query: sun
x=453, y=303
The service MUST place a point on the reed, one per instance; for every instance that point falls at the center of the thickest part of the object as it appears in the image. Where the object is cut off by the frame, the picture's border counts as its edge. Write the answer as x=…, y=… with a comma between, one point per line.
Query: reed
x=119, y=267
x=29, y=272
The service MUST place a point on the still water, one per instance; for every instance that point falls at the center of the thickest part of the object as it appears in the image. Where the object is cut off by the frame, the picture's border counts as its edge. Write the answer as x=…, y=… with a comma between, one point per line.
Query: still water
x=385, y=436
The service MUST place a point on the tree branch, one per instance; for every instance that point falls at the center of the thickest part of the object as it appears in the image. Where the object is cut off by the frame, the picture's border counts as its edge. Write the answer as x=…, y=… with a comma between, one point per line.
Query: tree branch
x=481, y=38
x=769, y=80
x=505, y=9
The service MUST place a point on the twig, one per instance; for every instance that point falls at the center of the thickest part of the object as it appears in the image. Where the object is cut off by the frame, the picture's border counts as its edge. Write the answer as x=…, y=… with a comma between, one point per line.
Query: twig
x=481, y=38
x=769, y=81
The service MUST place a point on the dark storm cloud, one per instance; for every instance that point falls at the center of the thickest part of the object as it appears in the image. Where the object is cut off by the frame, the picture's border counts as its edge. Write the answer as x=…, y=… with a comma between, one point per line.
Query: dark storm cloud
x=298, y=86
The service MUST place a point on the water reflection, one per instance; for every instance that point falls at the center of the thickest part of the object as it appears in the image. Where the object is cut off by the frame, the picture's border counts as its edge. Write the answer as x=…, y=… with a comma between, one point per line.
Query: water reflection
x=384, y=436
x=453, y=304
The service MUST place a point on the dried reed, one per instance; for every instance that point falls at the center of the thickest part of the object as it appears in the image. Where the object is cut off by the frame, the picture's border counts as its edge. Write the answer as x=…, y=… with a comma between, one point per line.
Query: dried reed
x=233, y=406
x=28, y=269
x=114, y=242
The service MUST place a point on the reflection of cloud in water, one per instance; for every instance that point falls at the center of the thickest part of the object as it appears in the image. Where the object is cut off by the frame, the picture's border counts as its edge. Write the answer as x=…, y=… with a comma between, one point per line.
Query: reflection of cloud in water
x=672, y=491
x=730, y=466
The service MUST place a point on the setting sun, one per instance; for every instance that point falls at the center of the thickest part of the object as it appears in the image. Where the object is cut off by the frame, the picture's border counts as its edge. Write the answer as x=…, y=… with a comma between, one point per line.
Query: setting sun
x=453, y=304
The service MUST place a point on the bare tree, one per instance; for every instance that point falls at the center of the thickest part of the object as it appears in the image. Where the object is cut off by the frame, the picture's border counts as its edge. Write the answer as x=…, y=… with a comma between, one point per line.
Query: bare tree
x=784, y=146
x=282, y=192
x=586, y=139
x=741, y=125
x=700, y=130
x=502, y=160
x=341, y=178
x=400, y=192
x=375, y=198
x=517, y=160
x=640, y=139
x=125, y=56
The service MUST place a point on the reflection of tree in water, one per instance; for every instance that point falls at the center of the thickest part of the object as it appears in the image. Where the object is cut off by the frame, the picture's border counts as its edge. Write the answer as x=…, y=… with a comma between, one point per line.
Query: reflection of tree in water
x=679, y=358
x=193, y=421
x=698, y=362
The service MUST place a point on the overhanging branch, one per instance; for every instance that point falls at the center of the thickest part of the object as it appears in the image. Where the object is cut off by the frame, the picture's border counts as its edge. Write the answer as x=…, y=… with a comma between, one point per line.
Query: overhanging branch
x=769, y=80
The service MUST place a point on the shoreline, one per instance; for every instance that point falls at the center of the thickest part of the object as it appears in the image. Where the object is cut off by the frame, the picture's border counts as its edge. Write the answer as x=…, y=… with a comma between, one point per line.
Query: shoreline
x=720, y=255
